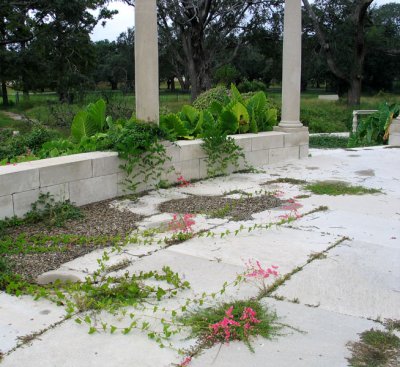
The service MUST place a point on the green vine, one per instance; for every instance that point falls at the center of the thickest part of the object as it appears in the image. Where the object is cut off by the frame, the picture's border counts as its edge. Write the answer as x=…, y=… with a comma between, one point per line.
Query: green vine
x=222, y=153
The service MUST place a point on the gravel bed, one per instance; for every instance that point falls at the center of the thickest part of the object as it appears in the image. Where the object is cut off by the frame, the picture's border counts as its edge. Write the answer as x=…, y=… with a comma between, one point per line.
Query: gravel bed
x=99, y=220
x=219, y=206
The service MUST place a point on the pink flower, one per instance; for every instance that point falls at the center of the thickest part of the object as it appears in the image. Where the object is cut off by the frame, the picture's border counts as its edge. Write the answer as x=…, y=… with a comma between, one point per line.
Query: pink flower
x=182, y=182
x=256, y=270
x=250, y=314
x=185, y=362
x=228, y=312
x=181, y=223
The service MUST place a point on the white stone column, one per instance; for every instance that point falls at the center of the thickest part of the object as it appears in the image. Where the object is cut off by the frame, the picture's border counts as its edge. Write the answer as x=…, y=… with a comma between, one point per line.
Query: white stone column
x=291, y=73
x=146, y=61
x=394, y=136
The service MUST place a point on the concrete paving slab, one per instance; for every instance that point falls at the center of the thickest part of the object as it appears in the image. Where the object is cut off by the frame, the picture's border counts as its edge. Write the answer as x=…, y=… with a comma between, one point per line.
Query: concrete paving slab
x=22, y=316
x=88, y=263
x=357, y=278
x=283, y=247
x=323, y=344
x=223, y=185
x=361, y=227
x=203, y=275
x=147, y=205
x=377, y=205
x=69, y=345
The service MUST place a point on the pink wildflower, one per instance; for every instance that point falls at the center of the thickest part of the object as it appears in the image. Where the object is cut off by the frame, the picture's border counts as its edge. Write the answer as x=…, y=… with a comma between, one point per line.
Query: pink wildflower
x=182, y=223
x=278, y=194
x=185, y=362
x=292, y=205
x=224, y=326
x=256, y=270
x=182, y=182
x=228, y=312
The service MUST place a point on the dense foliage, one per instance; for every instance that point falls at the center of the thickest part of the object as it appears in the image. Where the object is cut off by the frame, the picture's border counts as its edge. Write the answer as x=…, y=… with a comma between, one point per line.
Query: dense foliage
x=374, y=129
x=140, y=144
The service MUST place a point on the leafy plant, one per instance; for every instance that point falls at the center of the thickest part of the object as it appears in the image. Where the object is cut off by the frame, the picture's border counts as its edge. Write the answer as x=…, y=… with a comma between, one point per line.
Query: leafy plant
x=139, y=145
x=374, y=129
x=222, y=151
x=89, y=121
x=53, y=213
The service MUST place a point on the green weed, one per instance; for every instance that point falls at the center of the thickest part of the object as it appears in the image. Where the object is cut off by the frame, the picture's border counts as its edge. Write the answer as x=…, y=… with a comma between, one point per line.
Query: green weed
x=328, y=142
x=376, y=348
x=288, y=180
x=335, y=188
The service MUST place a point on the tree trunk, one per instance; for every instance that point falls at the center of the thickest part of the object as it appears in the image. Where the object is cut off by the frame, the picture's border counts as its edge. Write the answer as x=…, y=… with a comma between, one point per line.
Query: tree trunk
x=5, y=93
x=114, y=85
x=354, y=92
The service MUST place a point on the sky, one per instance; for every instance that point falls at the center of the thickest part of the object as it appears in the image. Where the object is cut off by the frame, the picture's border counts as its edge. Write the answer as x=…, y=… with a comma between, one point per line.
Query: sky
x=125, y=19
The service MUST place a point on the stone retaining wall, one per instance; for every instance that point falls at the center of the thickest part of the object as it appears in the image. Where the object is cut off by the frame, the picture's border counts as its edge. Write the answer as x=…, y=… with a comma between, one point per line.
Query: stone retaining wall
x=91, y=177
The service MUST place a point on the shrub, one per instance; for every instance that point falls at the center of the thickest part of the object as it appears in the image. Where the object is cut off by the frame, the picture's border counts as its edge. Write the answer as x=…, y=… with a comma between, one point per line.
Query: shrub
x=252, y=86
x=205, y=100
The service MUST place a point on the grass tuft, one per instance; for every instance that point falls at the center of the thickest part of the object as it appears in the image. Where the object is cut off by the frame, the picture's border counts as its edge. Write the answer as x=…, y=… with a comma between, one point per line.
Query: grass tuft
x=336, y=188
x=376, y=348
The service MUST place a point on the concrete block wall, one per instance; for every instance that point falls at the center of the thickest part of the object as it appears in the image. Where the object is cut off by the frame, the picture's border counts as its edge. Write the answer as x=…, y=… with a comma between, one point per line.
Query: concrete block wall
x=91, y=177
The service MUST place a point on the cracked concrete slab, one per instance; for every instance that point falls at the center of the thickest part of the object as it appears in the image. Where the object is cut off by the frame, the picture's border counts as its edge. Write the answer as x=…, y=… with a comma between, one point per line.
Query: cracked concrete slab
x=357, y=278
x=283, y=247
x=361, y=227
x=22, y=316
x=70, y=345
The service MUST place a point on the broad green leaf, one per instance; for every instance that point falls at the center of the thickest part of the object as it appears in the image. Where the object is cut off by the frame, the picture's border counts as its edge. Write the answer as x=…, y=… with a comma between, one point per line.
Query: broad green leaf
x=271, y=116
x=236, y=94
x=191, y=113
x=216, y=108
x=79, y=128
x=206, y=120
x=240, y=111
x=257, y=103
x=97, y=114
x=173, y=125
x=229, y=122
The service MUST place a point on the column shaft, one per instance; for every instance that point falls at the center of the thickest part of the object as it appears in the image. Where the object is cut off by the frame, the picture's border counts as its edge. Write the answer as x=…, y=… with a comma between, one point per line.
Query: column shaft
x=291, y=73
x=146, y=61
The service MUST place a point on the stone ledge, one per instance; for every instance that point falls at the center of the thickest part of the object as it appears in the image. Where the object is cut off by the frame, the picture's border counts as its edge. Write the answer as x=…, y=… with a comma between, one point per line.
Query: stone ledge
x=90, y=177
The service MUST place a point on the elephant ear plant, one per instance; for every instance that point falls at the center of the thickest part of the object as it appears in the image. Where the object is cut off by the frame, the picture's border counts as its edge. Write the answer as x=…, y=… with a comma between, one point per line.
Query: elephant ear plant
x=223, y=116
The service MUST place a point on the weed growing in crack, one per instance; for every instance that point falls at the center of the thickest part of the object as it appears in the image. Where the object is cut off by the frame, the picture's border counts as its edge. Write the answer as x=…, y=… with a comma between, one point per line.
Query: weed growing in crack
x=376, y=348
x=335, y=188
x=235, y=321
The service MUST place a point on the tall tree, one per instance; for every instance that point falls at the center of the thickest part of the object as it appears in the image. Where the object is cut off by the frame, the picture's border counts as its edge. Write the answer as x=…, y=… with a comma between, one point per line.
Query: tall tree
x=340, y=26
x=383, y=40
x=210, y=33
x=197, y=32
x=63, y=28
